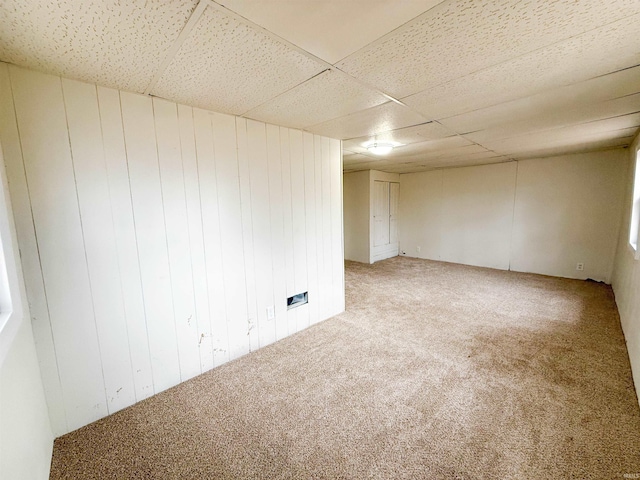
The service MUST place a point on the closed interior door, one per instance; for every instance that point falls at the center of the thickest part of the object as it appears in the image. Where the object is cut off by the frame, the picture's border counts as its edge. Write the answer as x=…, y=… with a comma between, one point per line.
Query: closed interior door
x=394, y=196
x=380, y=213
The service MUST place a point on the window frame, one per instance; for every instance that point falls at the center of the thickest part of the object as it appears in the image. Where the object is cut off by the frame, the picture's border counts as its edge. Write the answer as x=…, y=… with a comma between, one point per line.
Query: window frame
x=634, y=221
x=11, y=309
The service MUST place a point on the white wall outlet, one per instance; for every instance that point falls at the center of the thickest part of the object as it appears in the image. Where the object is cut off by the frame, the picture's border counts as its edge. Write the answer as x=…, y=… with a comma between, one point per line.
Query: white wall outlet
x=271, y=312
x=580, y=266
x=419, y=249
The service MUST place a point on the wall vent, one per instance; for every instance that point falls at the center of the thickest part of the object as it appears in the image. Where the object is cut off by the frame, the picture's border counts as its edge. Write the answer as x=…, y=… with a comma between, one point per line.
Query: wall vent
x=297, y=300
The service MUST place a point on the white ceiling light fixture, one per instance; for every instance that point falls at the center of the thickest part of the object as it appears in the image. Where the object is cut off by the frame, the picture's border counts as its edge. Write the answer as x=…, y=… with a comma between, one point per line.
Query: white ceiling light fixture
x=380, y=148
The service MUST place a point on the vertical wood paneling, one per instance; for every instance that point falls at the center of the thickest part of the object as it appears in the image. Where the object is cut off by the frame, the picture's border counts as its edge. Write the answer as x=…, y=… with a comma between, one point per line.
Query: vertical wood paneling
x=277, y=230
x=261, y=216
x=29, y=255
x=226, y=156
x=327, y=270
x=299, y=241
x=196, y=241
x=85, y=134
x=43, y=130
x=311, y=225
x=285, y=151
x=211, y=231
x=323, y=287
x=247, y=233
x=146, y=194
x=177, y=228
x=125, y=236
x=336, y=238
x=154, y=237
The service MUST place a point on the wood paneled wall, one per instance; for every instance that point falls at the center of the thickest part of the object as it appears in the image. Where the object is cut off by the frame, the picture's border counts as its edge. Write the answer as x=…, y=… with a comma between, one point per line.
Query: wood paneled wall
x=154, y=236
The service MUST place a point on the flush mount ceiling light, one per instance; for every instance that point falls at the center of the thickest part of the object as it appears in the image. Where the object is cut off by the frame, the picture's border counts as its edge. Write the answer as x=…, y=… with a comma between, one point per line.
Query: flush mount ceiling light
x=380, y=148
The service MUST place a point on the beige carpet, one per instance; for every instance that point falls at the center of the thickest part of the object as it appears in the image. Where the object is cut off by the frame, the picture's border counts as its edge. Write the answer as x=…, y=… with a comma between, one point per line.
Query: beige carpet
x=435, y=371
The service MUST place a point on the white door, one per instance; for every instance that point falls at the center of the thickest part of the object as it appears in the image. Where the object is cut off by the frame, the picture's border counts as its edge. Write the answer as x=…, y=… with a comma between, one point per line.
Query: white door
x=394, y=196
x=380, y=213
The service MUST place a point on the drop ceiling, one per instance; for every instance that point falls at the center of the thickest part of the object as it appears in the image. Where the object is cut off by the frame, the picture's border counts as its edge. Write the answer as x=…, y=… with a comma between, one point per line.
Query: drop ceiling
x=455, y=82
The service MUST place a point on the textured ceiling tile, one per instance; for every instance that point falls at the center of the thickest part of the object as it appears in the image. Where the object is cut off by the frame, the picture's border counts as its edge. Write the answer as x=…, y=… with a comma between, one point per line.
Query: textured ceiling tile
x=587, y=146
x=227, y=66
x=589, y=100
x=462, y=36
x=468, y=161
x=358, y=145
x=116, y=44
x=402, y=168
x=434, y=146
x=598, y=52
x=575, y=136
x=326, y=28
x=432, y=164
x=468, y=151
x=418, y=133
x=324, y=97
x=563, y=116
x=357, y=159
x=385, y=117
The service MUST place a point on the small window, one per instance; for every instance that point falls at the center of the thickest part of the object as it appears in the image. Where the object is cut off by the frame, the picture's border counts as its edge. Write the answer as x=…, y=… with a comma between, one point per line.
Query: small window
x=10, y=306
x=635, y=209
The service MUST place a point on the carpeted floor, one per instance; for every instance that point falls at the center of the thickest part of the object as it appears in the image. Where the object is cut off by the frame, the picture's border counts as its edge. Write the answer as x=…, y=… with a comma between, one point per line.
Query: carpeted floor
x=435, y=371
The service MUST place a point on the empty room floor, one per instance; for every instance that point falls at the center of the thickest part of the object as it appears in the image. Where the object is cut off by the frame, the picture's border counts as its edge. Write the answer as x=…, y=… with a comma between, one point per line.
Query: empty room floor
x=435, y=370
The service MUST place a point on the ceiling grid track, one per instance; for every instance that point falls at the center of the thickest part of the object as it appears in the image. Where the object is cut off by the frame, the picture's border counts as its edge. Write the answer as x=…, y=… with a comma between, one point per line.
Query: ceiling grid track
x=184, y=34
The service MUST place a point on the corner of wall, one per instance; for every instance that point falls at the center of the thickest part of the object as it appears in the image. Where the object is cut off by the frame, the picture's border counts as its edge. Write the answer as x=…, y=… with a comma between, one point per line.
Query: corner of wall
x=625, y=279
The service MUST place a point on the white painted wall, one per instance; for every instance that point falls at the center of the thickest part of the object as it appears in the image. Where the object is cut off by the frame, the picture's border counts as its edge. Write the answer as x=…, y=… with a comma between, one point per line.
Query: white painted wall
x=541, y=215
x=26, y=439
x=567, y=211
x=356, y=216
x=626, y=275
x=477, y=211
x=154, y=236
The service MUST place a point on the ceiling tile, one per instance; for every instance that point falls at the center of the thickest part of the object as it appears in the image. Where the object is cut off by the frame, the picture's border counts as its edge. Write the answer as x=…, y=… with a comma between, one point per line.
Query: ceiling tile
x=227, y=66
x=468, y=151
x=385, y=117
x=356, y=159
x=564, y=116
x=417, y=133
x=478, y=34
x=358, y=145
x=575, y=136
x=466, y=162
x=587, y=146
x=589, y=100
x=330, y=29
x=598, y=52
x=115, y=44
x=326, y=96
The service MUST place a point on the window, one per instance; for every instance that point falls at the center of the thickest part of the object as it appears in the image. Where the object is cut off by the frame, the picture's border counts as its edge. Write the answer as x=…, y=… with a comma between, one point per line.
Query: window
x=635, y=209
x=10, y=304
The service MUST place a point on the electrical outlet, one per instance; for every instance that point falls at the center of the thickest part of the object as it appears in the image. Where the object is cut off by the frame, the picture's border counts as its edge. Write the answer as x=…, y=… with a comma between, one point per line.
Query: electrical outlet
x=271, y=312
x=419, y=249
x=580, y=266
